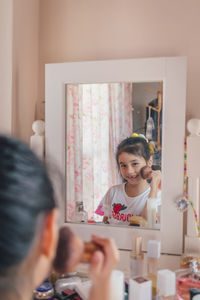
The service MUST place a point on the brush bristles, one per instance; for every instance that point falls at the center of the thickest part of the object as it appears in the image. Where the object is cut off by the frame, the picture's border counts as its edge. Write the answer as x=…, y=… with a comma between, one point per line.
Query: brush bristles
x=146, y=172
x=63, y=250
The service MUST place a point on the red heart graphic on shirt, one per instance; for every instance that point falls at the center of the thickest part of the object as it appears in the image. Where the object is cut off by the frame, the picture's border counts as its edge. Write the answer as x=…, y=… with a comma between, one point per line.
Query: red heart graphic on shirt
x=118, y=206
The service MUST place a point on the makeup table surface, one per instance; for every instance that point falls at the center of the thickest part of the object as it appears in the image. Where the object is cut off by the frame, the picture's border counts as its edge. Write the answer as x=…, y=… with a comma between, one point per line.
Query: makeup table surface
x=171, y=262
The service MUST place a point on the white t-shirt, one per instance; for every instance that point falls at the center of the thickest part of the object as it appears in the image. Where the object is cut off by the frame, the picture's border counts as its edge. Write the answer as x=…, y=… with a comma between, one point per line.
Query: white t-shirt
x=118, y=206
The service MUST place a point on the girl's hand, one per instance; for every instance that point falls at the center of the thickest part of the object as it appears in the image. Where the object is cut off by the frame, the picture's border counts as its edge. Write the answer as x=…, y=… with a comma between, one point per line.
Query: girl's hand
x=101, y=265
x=103, y=262
x=156, y=178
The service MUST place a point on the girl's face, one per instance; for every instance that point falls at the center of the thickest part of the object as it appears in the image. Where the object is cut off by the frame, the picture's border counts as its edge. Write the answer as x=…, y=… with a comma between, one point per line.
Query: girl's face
x=130, y=166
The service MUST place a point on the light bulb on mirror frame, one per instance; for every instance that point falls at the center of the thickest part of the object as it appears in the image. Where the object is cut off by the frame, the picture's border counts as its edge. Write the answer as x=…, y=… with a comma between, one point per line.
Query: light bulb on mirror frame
x=193, y=126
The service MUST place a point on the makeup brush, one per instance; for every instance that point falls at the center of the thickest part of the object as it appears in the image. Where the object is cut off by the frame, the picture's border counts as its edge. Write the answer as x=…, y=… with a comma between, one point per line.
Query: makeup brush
x=71, y=251
x=146, y=172
x=64, y=249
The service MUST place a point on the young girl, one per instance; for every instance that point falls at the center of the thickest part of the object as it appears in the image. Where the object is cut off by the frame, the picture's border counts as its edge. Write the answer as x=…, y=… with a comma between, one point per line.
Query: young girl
x=130, y=198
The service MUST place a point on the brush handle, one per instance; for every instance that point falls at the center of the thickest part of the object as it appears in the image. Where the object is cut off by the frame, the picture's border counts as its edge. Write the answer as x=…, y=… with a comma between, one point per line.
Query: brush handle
x=89, y=249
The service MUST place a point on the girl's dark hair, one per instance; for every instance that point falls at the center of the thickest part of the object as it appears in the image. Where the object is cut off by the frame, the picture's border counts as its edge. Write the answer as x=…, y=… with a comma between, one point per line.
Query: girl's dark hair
x=25, y=193
x=134, y=145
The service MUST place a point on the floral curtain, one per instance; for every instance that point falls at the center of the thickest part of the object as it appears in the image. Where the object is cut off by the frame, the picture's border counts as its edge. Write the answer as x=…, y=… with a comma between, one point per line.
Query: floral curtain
x=99, y=116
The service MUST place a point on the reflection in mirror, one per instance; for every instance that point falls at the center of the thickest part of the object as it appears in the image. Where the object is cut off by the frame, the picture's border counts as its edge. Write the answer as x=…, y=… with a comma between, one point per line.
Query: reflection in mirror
x=99, y=188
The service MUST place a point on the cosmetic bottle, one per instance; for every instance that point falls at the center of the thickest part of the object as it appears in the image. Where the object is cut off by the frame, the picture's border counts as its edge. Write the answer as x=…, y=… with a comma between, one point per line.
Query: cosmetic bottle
x=156, y=225
x=44, y=291
x=140, y=288
x=66, y=283
x=166, y=285
x=187, y=279
x=117, y=285
x=53, y=276
x=80, y=215
x=136, y=257
x=186, y=259
x=194, y=294
x=153, y=255
x=151, y=212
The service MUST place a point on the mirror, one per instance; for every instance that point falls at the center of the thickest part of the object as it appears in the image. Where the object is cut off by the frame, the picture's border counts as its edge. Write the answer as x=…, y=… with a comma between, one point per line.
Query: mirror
x=171, y=71
x=98, y=117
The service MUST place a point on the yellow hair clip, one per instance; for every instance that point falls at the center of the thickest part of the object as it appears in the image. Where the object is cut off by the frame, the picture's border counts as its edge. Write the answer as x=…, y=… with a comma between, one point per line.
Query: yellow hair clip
x=135, y=134
x=151, y=144
x=139, y=135
x=151, y=147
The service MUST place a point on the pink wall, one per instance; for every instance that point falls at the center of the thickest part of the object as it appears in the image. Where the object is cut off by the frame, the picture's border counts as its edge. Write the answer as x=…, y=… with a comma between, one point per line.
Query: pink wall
x=74, y=30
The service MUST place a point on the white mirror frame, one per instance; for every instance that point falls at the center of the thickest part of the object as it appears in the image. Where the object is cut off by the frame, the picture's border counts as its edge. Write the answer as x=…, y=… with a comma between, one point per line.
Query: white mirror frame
x=170, y=70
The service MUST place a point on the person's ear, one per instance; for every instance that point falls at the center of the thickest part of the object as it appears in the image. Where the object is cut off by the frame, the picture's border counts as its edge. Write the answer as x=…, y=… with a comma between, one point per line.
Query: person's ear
x=50, y=234
x=46, y=246
x=150, y=162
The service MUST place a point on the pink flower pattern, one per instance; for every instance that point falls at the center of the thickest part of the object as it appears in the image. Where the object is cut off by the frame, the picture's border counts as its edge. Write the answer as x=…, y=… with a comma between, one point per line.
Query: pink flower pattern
x=99, y=116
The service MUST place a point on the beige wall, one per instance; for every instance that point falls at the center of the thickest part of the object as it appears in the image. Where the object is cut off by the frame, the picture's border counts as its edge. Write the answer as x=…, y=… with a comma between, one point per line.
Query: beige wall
x=6, y=21
x=19, y=65
x=25, y=65
x=35, y=32
x=76, y=30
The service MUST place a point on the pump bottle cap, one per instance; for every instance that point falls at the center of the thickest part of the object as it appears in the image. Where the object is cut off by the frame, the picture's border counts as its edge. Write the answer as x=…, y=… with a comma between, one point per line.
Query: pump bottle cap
x=195, y=294
x=153, y=249
x=166, y=283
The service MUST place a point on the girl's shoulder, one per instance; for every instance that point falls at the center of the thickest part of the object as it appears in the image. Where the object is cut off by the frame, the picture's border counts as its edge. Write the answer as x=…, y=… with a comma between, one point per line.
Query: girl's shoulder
x=117, y=187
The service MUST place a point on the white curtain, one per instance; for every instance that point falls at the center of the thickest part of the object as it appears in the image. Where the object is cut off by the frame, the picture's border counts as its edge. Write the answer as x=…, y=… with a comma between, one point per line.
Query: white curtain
x=99, y=116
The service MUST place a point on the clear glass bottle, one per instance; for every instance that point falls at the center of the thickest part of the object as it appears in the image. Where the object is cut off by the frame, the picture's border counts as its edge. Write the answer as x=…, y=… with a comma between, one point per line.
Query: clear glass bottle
x=187, y=279
x=153, y=255
x=80, y=215
x=136, y=258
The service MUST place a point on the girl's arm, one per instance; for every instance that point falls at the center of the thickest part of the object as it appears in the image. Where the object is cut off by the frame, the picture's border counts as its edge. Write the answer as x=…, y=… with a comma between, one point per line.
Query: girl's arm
x=106, y=205
x=101, y=266
x=105, y=220
x=155, y=181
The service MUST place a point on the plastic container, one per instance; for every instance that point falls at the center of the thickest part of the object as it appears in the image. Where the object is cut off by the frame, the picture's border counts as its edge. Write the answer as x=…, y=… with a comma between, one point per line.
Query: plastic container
x=44, y=291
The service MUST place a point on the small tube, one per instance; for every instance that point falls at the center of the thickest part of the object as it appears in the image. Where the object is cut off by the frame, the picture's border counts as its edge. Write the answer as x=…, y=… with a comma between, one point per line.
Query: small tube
x=151, y=212
x=136, y=257
x=153, y=255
